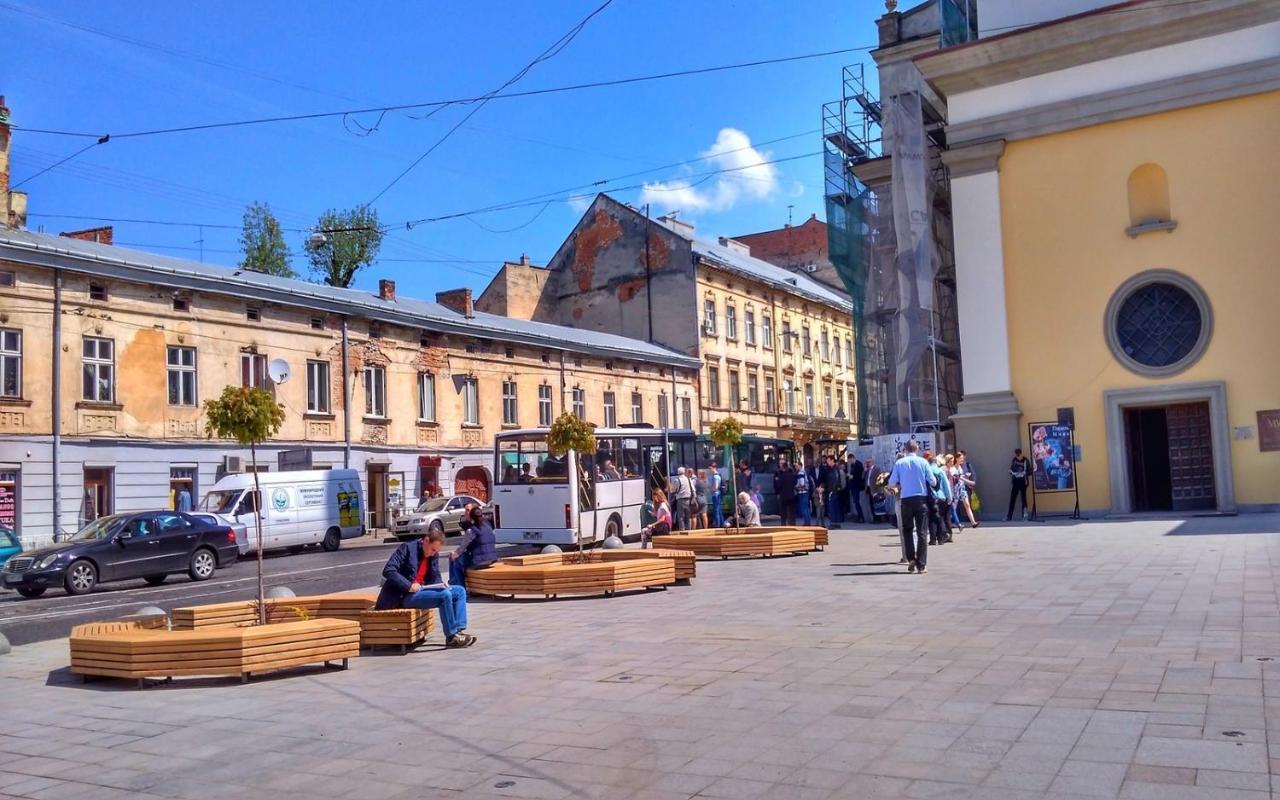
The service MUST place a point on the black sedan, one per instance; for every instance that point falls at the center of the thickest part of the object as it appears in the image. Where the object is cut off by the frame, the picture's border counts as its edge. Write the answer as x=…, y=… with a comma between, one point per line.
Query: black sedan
x=151, y=545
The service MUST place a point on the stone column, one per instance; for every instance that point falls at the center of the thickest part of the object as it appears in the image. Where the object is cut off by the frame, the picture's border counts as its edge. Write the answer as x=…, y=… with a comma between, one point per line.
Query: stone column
x=988, y=420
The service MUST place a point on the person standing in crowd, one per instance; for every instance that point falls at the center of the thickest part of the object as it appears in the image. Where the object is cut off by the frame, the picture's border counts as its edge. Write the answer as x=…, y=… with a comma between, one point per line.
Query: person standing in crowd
x=661, y=524
x=953, y=475
x=967, y=482
x=803, y=488
x=872, y=473
x=784, y=486
x=716, y=498
x=856, y=483
x=682, y=488
x=912, y=479
x=940, y=509
x=833, y=487
x=1018, y=469
x=700, y=492
x=745, y=474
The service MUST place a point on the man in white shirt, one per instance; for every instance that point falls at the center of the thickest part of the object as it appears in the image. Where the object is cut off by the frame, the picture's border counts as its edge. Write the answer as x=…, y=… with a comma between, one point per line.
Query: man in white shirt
x=683, y=491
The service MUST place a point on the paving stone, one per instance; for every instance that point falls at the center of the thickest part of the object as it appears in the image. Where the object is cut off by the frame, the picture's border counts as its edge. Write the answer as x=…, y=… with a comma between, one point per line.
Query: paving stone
x=1200, y=754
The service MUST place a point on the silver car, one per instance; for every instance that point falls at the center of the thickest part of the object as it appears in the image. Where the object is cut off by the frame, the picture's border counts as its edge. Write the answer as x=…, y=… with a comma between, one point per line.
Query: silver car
x=434, y=514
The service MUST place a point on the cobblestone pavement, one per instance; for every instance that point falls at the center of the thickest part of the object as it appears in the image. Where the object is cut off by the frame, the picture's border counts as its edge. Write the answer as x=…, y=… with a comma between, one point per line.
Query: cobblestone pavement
x=1104, y=659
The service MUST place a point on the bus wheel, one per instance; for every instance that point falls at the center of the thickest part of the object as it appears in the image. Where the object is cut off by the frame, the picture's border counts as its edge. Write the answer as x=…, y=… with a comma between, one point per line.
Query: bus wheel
x=612, y=528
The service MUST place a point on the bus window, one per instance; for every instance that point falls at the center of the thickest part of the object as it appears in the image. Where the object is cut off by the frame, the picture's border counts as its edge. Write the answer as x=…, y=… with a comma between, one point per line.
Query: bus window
x=631, y=464
x=527, y=460
x=607, y=460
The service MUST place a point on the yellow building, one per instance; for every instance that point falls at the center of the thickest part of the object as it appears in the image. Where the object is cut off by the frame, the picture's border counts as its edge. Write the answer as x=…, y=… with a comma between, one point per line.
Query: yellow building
x=1114, y=183
x=776, y=347
x=126, y=346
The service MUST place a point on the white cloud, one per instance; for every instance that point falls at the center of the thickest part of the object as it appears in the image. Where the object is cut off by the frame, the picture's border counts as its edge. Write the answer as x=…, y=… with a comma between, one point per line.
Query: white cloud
x=747, y=177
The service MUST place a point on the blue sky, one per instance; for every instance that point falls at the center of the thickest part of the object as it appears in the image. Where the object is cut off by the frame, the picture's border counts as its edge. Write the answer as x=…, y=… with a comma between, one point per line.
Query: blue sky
x=196, y=63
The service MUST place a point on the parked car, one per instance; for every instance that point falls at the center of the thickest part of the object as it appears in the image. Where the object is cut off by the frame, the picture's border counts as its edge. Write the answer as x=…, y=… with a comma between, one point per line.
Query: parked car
x=434, y=514
x=315, y=506
x=9, y=544
x=151, y=545
x=242, y=530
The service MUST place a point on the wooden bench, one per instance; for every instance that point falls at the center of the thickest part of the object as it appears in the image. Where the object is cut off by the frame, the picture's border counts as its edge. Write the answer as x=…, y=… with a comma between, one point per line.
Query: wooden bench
x=555, y=574
x=401, y=627
x=122, y=649
x=686, y=561
x=727, y=542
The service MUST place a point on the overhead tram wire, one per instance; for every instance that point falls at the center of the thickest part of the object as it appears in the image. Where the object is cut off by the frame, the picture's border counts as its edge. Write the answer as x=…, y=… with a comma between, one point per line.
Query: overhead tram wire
x=56, y=164
x=553, y=50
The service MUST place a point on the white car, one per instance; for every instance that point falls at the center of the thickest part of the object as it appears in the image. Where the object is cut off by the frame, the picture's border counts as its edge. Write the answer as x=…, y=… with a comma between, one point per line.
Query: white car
x=434, y=514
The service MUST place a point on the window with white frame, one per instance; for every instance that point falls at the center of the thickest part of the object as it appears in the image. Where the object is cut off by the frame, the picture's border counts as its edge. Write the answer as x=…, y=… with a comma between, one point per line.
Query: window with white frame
x=713, y=386
x=735, y=390
x=808, y=398
x=848, y=351
x=835, y=351
x=253, y=370
x=753, y=391
x=786, y=336
x=730, y=322
x=10, y=363
x=510, y=414
x=827, y=411
x=99, y=370
x=770, y=393
x=580, y=403
x=709, y=317
x=766, y=331
x=375, y=390
x=839, y=400
x=749, y=326
x=610, y=410
x=789, y=396
x=470, y=401
x=426, y=397
x=806, y=342
x=637, y=408
x=181, y=363
x=545, y=410
x=318, y=387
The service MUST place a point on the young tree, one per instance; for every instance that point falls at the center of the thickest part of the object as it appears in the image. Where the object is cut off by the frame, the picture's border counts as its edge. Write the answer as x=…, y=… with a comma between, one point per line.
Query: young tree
x=249, y=416
x=571, y=434
x=262, y=241
x=726, y=434
x=348, y=243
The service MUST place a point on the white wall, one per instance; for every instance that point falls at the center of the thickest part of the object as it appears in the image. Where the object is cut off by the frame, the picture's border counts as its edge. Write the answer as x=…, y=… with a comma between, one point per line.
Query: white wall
x=980, y=296
x=998, y=16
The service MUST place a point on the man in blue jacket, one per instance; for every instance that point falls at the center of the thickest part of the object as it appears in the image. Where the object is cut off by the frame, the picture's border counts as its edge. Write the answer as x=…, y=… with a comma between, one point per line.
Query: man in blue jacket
x=412, y=580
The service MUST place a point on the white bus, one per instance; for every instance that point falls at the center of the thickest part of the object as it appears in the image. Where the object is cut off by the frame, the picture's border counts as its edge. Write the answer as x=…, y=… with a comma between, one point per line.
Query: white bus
x=534, y=502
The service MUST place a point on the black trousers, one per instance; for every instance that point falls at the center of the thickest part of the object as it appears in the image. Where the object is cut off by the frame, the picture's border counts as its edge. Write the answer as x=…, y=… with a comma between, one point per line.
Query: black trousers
x=684, y=513
x=939, y=520
x=855, y=505
x=1019, y=491
x=913, y=513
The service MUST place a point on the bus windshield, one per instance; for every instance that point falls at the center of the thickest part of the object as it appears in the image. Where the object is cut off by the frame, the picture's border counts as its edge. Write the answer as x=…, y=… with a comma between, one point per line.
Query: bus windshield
x=527, y=459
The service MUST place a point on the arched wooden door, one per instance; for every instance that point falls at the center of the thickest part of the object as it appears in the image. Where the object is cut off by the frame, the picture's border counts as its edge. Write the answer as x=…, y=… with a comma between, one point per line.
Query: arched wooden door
x=473, y=481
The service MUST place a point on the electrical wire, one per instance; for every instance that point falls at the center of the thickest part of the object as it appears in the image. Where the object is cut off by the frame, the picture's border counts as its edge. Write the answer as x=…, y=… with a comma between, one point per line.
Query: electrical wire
x=56, y=164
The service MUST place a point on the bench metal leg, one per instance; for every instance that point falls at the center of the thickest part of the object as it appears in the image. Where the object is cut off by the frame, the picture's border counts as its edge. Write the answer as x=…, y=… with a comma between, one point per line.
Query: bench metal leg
x=244, y=677
x=142, y=683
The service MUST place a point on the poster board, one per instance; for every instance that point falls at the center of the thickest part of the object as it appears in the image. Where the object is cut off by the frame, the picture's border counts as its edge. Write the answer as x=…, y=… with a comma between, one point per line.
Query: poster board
x=1053, y=464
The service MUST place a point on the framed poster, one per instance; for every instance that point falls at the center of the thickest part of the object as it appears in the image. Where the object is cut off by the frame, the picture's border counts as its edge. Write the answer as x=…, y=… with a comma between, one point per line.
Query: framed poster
x=1052, y=458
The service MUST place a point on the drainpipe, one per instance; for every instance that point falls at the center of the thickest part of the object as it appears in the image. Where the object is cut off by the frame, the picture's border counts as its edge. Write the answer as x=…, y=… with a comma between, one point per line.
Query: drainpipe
x=57, y=400
x=346, y=400
x=563, y=386
x=648, y=273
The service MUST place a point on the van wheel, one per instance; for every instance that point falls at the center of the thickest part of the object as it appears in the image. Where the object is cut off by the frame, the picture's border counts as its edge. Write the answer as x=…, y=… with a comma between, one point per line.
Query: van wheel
x=82, y=576
x=203, y=564
x=155, y=580
x=332, y=540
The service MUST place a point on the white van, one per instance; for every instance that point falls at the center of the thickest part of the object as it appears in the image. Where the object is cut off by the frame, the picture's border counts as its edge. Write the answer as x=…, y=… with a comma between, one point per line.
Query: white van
x=319, y=506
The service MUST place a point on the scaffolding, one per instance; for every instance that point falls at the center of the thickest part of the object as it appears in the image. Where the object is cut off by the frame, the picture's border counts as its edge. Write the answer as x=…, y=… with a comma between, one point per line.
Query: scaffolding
x=902, y=286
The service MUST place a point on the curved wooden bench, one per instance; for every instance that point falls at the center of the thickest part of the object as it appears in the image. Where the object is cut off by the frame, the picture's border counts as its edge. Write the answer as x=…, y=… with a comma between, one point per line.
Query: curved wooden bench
x=685, y=560
x=555, y=574
x=727, y=542
x=402, y=627
x=122, y=650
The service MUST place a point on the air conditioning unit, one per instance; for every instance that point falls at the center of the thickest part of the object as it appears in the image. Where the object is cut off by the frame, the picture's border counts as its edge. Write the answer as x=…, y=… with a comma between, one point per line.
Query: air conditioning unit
x=810, y=268
x=232, y=464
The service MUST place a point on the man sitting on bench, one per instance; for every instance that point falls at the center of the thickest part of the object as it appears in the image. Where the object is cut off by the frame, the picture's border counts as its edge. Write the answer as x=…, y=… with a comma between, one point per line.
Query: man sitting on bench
x=412, y=580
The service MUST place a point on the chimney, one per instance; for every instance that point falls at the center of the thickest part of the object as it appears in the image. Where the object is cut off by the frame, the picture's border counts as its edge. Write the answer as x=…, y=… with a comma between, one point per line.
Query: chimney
x=735, y=245
x=13, y=205
x=681, y=227
x=103, y=235
x=524, y=259
x=458, y=300
x=386, y=289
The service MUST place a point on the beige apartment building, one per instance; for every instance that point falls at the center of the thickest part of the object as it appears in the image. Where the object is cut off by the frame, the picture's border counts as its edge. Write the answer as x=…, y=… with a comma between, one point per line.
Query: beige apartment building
x=126, y=346
x=775, y=346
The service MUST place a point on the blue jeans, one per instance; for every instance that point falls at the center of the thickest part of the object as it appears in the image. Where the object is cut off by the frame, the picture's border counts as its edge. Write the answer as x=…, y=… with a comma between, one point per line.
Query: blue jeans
x=802, y=509
x=452, y=603
x=717, y=509
x=834, y=517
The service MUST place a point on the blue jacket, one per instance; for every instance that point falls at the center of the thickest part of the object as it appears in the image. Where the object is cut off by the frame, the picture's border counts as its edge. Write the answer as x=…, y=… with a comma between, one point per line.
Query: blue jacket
x=399, y=574
x=480, y=545
x=942, y=490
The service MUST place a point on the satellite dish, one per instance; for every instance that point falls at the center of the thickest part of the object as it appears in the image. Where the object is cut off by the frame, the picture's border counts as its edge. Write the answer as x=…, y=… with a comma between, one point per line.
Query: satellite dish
x=278, y=370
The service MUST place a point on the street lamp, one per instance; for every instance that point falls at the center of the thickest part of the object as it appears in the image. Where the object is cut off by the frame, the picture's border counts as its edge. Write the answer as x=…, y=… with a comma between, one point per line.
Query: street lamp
x=317, y=239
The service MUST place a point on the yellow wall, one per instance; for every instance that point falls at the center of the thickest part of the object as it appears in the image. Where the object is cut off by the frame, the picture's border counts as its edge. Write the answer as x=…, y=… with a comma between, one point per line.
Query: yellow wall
x=1064, y=212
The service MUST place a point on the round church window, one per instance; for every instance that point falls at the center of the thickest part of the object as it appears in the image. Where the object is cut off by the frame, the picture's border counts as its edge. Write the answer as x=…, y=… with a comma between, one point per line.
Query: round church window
x=1158, y=323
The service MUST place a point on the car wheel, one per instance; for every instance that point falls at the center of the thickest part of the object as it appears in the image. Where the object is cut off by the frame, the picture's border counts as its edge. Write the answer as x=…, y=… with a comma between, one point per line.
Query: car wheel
x=332, y=540
x=435, y=527
x=82, y=576
x=31, y=592
x=155, y=580
x=203, y=565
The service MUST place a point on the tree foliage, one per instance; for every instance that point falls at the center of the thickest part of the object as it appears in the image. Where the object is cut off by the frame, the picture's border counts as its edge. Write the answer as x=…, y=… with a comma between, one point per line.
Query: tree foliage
x=247, y=415
x=569, y=432
x=262, y=241
x=352, y=240
x=726, y=432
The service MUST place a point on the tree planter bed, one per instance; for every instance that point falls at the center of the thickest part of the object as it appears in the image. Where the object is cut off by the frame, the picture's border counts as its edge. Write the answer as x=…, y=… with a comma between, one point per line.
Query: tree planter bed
x=603, y=572
x=400, y=627
x=122, y=650
x=727, y=542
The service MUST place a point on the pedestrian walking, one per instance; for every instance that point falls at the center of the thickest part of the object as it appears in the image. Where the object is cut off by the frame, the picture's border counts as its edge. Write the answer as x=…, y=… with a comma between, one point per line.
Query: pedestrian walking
x=833, y=487
x=716, y=498
x=940, y=507
x=871, y=473
x=967, y=483
x=700, y=494
x=683, y=491
x=911, y=478
x=953, y=474
x=1018, y=469
x=856, y=484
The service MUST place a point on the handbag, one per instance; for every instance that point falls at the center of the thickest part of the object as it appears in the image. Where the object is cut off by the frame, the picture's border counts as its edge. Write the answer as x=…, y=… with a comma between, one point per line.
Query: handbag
x=974, y=502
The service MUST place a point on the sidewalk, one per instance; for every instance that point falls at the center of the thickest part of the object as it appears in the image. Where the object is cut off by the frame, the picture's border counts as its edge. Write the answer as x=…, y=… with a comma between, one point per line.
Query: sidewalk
x=1095, y=659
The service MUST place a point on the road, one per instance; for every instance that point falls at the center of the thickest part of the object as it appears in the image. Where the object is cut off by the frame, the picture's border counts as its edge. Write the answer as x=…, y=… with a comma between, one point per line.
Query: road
x=311, y=572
